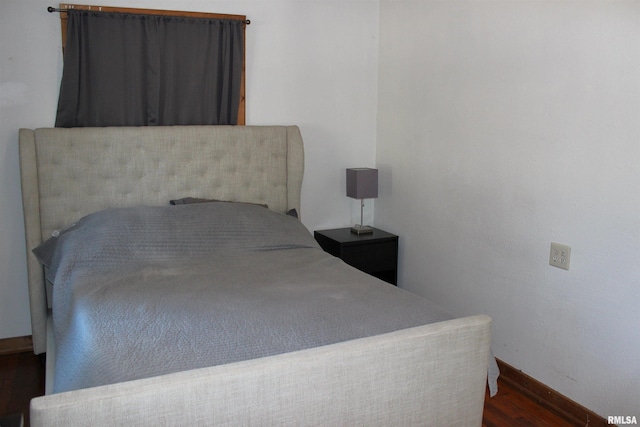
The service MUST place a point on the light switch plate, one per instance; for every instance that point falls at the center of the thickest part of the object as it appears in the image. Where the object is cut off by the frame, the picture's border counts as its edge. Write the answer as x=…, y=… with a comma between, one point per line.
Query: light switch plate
x=560, y=255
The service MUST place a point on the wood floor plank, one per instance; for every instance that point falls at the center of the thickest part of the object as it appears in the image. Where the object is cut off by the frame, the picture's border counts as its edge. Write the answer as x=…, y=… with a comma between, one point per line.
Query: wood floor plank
x=511, y=407
x=517, y=409
x=8, y=369
x=21, y=379
x=546, y=397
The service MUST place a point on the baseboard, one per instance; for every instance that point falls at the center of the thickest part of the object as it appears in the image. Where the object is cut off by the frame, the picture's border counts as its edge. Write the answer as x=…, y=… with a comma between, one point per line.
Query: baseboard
x=16, y=345
x=550, y=399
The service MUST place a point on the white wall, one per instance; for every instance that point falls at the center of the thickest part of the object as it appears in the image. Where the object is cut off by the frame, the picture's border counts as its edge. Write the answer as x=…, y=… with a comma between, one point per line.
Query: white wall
x=308, y=63
x=29, y=79
x=504, y=126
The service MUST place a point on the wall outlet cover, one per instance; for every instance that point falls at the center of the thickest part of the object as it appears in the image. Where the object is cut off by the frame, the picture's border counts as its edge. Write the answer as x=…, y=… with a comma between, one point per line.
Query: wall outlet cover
x=560, y=255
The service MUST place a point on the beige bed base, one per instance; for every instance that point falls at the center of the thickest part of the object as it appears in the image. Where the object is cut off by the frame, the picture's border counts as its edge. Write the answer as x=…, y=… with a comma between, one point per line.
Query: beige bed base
x=429, y=375
x=432, y=375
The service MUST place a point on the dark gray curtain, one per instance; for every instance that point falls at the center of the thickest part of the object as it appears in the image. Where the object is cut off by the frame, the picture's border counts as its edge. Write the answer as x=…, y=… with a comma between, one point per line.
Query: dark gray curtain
x=147, y=70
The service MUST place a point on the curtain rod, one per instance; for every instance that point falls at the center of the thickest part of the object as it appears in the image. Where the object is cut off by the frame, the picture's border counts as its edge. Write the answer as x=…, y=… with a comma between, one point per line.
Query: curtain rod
x=53, y=9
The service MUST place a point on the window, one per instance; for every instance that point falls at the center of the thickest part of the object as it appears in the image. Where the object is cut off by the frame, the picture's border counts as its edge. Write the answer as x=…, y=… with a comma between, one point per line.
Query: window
x=136, y=67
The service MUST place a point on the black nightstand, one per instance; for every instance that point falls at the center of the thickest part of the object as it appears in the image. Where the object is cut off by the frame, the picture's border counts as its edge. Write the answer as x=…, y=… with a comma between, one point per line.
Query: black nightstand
x=375, y=253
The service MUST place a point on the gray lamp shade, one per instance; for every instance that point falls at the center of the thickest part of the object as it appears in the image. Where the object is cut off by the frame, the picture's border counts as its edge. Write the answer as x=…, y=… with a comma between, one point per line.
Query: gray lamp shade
x=362, y=183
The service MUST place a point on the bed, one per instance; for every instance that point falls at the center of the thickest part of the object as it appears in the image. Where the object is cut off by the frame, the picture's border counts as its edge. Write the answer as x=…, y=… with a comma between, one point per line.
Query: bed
x=276, y=330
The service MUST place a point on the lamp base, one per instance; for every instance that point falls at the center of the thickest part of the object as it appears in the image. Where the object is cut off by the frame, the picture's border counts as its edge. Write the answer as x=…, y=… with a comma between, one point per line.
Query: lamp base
x=361, y=229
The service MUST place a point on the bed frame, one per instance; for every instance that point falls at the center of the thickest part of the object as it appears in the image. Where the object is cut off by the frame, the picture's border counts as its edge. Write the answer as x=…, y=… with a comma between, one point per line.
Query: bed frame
x=428, y=375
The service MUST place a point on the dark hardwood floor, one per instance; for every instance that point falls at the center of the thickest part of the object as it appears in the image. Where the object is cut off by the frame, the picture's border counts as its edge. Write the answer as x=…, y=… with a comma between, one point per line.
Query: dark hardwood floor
x=22, y=377
x=513, y=407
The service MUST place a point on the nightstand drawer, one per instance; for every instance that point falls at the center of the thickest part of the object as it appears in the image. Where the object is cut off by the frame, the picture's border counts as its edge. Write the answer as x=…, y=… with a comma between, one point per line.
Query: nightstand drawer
x=371, y=257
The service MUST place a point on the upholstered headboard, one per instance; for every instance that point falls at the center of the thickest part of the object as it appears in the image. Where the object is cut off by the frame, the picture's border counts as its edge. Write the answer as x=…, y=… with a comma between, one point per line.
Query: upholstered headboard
x=69, y=173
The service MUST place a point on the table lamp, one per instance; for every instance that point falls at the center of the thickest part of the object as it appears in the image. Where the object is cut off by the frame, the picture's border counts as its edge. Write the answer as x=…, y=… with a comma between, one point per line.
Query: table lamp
x=362, y=183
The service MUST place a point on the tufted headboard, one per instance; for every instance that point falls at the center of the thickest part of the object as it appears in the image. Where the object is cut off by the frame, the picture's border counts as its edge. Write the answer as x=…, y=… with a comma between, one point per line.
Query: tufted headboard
x=69, y=173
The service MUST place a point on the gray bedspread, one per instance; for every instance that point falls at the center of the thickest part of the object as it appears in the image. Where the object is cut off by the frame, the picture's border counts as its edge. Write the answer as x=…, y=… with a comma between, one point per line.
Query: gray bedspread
x=145, y=291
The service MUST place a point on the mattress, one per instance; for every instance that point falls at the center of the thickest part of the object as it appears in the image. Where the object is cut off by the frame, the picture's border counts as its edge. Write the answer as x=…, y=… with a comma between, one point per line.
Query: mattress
x=145, y=291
